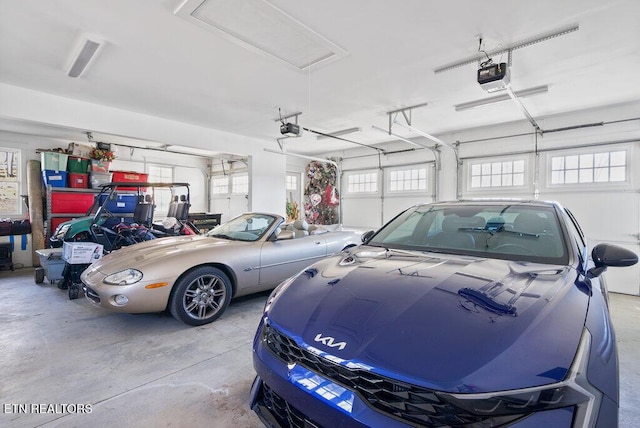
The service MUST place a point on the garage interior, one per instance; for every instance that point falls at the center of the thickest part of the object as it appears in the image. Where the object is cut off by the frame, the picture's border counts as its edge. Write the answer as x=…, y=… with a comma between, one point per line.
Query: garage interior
x=243, y=100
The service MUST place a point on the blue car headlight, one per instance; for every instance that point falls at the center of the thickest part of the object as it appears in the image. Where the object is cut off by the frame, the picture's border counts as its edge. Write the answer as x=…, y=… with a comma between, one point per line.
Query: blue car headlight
x=574, y=391
x=125, y=277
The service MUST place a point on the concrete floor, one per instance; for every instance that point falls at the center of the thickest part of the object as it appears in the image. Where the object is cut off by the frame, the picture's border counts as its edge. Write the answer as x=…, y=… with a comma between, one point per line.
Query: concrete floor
x=153, y=371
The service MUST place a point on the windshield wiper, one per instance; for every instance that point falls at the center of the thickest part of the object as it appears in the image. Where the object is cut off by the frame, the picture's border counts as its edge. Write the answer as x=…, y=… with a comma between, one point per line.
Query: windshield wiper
x=498, y=230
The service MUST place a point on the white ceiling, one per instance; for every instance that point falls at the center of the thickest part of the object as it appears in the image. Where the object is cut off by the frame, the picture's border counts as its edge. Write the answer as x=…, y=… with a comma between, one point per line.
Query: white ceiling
x=158, y=63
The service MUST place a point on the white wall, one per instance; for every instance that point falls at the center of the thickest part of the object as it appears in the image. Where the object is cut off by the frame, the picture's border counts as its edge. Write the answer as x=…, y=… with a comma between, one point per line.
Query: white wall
x=32, y=106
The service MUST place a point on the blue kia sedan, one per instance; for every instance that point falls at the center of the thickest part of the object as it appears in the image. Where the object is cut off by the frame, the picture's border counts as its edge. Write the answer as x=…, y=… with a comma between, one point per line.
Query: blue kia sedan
x=459, y=314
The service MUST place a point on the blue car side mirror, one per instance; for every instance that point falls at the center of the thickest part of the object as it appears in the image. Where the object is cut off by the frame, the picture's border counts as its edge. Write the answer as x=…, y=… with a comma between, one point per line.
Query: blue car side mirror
x=605, y=255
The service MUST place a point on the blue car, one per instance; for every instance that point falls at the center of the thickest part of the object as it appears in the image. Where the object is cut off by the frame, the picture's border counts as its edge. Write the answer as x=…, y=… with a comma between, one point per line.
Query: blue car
x=458, y=314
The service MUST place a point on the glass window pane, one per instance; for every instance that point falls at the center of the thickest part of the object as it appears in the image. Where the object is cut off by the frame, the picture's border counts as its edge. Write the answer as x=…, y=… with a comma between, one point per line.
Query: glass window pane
x=586, y=176
x=557, y=177
x=618, y=158
x=601, y=175
x=571, y=162
x=601, y=159
x=571, y=176
x=617, y=173
x=586, y=161
x=557, y=163
x=518, y=179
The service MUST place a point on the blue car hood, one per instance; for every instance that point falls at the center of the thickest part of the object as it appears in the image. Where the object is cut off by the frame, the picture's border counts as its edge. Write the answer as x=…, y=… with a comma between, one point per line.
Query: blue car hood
x=450, y=323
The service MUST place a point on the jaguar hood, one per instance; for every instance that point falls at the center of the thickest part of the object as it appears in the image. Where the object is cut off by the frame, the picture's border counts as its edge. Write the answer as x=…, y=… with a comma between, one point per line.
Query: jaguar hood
x=161, y=250
x=451, y=323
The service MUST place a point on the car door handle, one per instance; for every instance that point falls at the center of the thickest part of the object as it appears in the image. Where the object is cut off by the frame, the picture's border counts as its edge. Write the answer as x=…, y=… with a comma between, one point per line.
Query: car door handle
x=317, y=242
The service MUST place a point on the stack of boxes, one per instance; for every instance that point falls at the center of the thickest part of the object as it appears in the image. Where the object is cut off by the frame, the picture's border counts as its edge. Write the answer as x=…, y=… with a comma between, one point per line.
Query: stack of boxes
x=54, y=168
x=63, y=170
x=74, y=171
x=78, y=172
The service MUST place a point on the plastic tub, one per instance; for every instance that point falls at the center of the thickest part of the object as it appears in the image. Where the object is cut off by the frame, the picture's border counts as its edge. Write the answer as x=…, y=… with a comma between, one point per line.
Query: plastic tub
x=78, y=181
x=54, y=178
x=78, y=165
x=97, y=179
x=54, y=161
x=52, y=263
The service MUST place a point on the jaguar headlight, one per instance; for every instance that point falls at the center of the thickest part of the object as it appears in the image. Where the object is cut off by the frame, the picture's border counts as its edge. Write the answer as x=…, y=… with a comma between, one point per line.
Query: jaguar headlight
x=125, y=277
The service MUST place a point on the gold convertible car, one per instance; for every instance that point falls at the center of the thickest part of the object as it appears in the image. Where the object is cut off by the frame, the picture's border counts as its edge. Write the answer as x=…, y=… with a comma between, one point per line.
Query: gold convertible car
x=195, y=277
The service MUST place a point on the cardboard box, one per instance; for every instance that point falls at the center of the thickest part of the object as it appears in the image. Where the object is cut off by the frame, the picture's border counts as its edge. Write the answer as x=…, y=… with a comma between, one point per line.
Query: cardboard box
x=79, y=150
x=76, y=253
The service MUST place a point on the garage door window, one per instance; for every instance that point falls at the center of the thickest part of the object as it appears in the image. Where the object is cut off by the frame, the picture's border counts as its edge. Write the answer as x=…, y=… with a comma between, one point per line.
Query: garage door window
x=161, y=197
x=220, y=186
x=240, y=184
x=362, y=182
x=506, y=173
x=599, y=167
x=408, y=180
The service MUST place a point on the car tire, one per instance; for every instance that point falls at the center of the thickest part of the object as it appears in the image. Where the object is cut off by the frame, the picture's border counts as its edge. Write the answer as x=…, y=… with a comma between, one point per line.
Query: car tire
x=74, y=291
x=39, y=273
x=200, y=296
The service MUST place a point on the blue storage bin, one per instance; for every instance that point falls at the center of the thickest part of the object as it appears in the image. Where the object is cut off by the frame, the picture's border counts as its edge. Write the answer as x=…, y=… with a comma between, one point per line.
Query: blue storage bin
x=54, y=178
x=122, y=204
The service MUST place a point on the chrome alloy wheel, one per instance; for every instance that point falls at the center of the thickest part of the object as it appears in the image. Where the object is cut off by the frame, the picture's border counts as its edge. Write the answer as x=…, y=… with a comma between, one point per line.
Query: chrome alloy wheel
x=204, y=297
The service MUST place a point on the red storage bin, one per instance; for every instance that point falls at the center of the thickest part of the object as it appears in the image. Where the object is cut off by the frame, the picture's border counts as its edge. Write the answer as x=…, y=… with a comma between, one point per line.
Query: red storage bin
x=78, y=181
x=128, y=176
x=71, y=203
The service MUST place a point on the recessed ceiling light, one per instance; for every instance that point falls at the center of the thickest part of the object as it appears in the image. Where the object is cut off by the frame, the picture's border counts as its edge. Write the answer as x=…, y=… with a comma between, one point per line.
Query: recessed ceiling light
x=261, y=27
x=87, y=50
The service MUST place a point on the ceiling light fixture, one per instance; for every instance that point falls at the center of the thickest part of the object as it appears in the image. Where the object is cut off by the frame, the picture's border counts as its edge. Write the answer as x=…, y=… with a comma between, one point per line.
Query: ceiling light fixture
x=499, y=98
x=341, y=132
x=89, y=46
x=263, y=28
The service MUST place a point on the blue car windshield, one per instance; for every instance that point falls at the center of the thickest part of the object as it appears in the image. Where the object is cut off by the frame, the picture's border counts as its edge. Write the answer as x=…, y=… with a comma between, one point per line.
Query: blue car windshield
x=247, y=227
x=529, y=233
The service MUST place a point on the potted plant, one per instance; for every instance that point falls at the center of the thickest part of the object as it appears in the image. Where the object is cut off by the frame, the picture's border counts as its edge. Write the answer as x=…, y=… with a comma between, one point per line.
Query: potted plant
x=101, y=159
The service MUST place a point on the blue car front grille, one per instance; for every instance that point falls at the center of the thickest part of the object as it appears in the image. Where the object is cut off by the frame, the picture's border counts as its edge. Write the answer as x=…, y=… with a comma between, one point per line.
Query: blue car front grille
x=409, y=403
x=285, y=414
